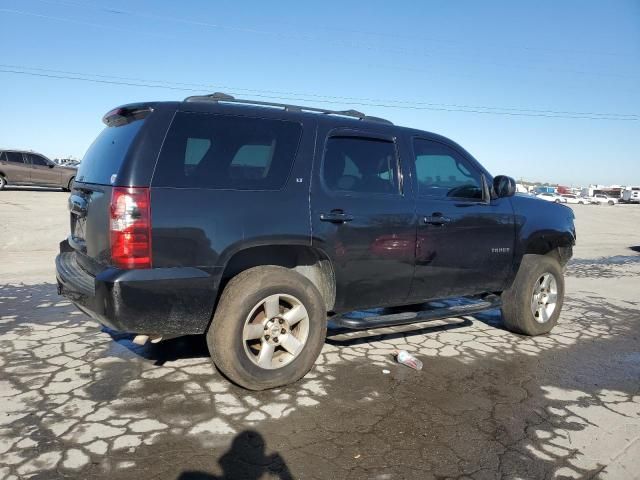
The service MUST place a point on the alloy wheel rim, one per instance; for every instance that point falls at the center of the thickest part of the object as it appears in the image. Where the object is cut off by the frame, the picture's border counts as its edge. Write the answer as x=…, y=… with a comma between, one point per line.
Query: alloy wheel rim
x=544, y=298
x=276, y=331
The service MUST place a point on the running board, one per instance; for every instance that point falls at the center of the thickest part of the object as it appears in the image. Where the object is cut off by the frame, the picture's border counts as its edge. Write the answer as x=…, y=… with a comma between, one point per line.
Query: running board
x=406, y=318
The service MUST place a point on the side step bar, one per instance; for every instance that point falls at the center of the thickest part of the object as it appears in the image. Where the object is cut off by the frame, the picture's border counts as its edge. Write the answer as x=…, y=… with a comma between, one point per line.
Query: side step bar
x=405, y=318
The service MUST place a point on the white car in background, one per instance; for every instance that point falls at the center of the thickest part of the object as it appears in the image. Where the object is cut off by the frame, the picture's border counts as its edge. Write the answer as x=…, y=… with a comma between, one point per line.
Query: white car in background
x=571, y=198
x=550, y=197
x=602, y=199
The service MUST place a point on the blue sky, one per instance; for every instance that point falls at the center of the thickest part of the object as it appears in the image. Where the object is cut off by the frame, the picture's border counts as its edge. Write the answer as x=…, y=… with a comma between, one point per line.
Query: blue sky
x=416, y=63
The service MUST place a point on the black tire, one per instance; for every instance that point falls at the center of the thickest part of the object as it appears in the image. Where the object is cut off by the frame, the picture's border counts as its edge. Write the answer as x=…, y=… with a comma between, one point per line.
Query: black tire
x=69, y=185
x=611, y=202
x=3, y=182
x=242, y=294
x=517, y=310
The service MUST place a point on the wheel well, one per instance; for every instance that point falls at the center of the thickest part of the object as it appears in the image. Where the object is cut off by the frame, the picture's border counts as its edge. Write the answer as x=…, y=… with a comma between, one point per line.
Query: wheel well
x=308, y=262
x=560, y=248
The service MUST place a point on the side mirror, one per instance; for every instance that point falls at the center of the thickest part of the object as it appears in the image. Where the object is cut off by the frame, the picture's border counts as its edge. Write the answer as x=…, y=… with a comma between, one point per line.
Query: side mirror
x=504, y=186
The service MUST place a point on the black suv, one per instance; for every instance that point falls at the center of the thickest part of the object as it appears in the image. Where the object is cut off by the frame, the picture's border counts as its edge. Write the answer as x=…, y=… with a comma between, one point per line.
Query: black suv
x=256, y=222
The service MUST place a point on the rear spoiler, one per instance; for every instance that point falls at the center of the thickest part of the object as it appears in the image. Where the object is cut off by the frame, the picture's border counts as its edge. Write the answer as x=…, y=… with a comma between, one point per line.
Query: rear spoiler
x=126, y=114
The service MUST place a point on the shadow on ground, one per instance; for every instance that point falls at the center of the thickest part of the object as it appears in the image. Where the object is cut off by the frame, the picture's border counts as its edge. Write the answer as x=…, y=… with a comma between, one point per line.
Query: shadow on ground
x=188, y=346
x=245, y=459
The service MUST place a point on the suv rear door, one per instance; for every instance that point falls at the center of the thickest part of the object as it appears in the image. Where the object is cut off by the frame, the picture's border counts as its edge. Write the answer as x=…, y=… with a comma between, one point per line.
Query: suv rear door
x=14, y=168
x=361, y=218
x=465, y=240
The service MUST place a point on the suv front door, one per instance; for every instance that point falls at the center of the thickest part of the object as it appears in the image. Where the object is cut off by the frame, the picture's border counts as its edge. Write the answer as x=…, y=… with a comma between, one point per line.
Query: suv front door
x=465, y=239
x=42, y=171
x=361, y=218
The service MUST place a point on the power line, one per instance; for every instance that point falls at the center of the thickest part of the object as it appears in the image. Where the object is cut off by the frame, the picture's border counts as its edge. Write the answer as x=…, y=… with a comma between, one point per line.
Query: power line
x=404, y=36
x=77, y=22
x=365, y=101
x=308, y=36
x=290, y=98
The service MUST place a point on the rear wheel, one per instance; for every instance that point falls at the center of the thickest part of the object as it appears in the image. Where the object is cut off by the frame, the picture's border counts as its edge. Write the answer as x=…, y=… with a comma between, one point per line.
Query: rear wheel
x=268, y=328
x=611, y=202
x=533, y=303
x=3, y=182
x=69, y=185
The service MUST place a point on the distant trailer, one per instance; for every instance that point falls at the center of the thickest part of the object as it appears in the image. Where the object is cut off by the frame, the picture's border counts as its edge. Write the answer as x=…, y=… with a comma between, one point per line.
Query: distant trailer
x=631, y=195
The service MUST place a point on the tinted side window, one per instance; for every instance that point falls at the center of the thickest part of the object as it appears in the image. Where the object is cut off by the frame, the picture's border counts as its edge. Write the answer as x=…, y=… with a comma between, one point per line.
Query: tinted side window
x=15, y=157
x=443, y=172
x=227, y=152
x=37, y=160
x=357, y=164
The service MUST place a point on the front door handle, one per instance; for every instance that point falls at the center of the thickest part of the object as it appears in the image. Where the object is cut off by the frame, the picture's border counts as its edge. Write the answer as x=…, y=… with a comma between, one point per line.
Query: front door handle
x=336, y=216
x=436, y=219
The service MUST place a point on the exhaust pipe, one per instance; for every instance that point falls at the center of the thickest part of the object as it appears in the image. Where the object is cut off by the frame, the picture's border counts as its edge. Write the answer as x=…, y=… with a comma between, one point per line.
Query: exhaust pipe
x=143, y=339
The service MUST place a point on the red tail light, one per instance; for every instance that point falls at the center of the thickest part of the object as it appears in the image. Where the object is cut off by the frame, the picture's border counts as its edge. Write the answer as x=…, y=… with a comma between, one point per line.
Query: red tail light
x=130, y=227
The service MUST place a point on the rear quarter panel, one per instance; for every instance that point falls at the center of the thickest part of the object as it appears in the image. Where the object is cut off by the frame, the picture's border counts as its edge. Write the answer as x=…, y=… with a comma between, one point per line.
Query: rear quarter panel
x=204, y=228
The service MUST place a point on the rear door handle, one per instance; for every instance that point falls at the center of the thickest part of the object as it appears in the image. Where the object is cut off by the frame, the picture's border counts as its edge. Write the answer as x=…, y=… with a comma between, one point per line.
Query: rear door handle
x=436, y=219
x=336, y=216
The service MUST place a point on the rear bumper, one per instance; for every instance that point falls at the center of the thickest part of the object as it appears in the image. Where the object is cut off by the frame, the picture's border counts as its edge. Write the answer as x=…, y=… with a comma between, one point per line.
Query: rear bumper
x=164, y=301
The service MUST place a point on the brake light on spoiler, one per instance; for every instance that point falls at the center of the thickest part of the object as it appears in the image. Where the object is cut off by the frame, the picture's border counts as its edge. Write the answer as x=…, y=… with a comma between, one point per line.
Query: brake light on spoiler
x=126, y=114
x=130, y=227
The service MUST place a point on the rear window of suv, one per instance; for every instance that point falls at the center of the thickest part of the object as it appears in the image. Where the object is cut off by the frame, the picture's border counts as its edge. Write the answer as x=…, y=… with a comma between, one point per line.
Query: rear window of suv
x=106, y=154
x=227, y=152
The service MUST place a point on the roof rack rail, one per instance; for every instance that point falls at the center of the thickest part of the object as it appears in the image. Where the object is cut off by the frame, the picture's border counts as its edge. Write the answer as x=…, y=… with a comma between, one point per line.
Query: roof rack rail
x=223, y=97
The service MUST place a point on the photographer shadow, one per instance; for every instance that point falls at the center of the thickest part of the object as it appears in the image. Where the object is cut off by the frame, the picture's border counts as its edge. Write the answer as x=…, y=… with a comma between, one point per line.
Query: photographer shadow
x=245, y=459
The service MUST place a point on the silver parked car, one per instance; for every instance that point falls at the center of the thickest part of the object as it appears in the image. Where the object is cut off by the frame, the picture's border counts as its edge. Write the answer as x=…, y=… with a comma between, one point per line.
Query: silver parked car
x=30, y=168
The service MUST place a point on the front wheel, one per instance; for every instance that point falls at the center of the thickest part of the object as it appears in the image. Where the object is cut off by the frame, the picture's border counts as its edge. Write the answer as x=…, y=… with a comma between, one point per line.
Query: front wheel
x=268, y=328
x=3, y=182
x=611, y=202
x=533, y=303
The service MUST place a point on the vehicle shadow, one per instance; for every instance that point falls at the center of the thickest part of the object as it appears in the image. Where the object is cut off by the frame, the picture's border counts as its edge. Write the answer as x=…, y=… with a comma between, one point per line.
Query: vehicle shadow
x=245, y=459
x=195, y=346
x=346, y=337
x=169, y=350
x=635, y=248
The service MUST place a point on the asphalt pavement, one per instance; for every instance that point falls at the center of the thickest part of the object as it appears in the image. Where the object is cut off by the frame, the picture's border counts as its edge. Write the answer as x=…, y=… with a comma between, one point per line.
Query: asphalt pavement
x=80, y=401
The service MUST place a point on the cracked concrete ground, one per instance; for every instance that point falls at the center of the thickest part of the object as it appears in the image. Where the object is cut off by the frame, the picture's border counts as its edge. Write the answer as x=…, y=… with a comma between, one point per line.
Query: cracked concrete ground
x=78, y=401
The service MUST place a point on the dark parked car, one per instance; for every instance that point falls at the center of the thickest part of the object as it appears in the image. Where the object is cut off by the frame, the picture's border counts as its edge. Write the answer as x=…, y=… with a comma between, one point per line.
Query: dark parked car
x=255, y=222
x=30, y=168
